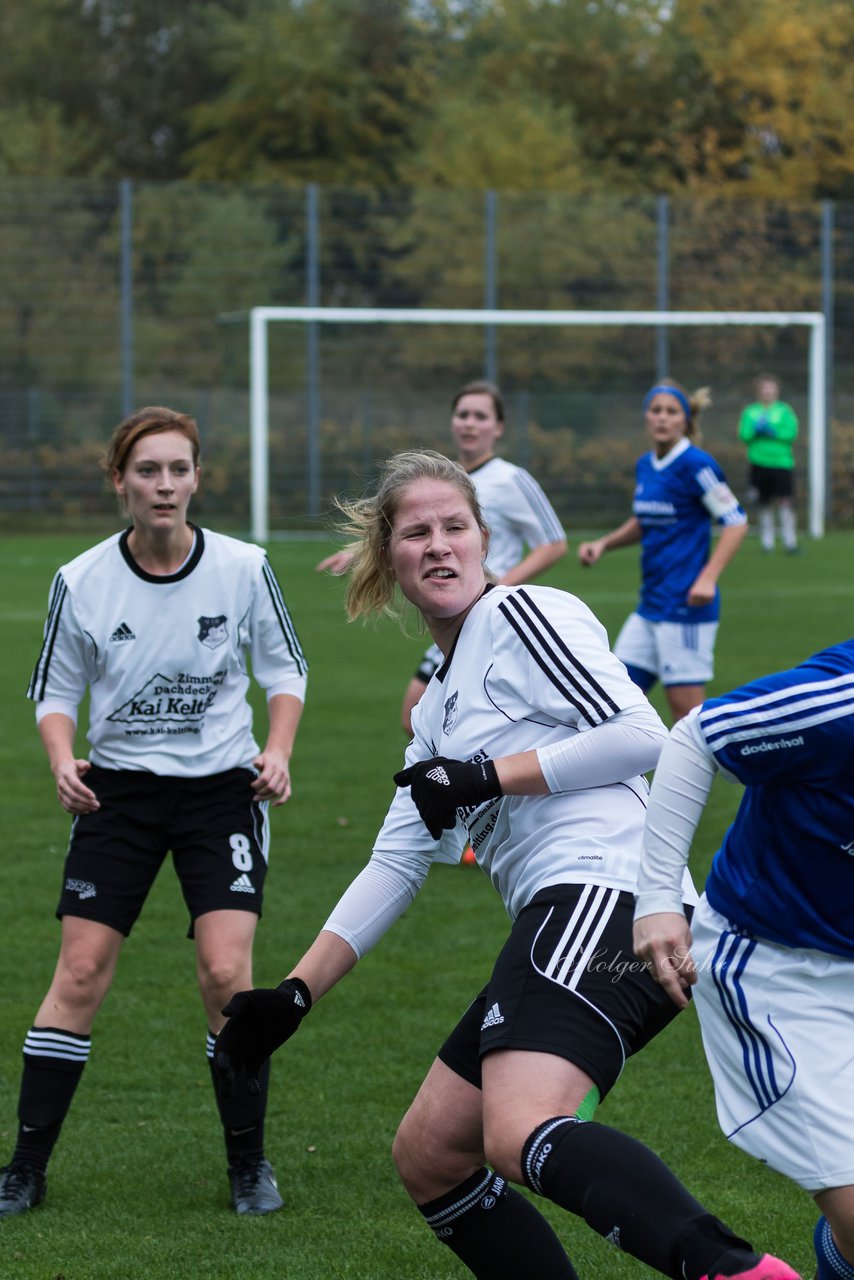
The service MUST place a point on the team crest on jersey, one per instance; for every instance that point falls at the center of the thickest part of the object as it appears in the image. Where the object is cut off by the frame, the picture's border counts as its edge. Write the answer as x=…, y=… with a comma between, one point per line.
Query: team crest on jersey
x=212, y=631
x=451, y=712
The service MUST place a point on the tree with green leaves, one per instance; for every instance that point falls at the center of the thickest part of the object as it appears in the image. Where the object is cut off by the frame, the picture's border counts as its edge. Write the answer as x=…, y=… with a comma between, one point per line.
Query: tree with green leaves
x=317, y=90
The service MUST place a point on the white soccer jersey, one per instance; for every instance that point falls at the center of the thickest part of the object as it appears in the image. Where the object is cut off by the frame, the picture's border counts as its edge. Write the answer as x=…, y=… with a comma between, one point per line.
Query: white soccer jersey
x=517, y=511
x=518, y=514
x=165, y=657
x=531, y=668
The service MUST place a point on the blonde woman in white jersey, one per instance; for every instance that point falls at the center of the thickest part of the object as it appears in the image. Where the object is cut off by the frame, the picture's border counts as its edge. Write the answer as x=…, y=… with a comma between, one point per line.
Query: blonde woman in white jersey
x=526, y=537
x=157, y=622
x=530, y=743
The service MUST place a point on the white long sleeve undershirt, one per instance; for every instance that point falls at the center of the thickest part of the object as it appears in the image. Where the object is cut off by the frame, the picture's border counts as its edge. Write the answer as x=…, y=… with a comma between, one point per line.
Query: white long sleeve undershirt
x=680, y=788
x=623, y=747
x=377, y=897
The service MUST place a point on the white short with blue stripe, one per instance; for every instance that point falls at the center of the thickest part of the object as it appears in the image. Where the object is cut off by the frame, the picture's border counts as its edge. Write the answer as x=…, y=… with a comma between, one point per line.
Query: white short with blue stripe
x=778, y=1031
x=676, y=652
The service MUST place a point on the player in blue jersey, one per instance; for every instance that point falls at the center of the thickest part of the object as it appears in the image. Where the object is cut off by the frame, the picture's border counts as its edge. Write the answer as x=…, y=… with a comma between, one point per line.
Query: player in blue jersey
x=769, y=953
x=680, y=491
x=529, y=743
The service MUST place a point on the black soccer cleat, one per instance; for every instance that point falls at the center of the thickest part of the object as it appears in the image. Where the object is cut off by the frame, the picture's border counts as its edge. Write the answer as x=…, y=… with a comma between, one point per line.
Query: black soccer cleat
x=254, y=1189
x=22, y=1187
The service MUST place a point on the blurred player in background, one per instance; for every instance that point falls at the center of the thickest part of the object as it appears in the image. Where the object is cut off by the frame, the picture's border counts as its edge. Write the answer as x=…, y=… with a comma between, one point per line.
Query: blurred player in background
x=530, y=742
x=526, y=537
x=769, y=428
x=769, y=952
x=158, y=622
x=679, y=491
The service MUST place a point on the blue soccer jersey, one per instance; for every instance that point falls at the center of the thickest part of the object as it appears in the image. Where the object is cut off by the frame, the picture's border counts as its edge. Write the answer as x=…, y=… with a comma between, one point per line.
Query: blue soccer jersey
x=785, y=870
x=676, y=499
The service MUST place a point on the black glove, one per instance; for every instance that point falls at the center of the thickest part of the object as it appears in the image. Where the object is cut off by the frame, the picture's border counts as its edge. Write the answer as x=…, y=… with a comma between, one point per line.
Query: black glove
x=441, y=786
x=259, y=1021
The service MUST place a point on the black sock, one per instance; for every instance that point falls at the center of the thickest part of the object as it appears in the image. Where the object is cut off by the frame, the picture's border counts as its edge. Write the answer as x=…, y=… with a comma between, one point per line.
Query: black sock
x=53, y=1064
x=496, y=1232
x=628, y=1195
x=242, y=1114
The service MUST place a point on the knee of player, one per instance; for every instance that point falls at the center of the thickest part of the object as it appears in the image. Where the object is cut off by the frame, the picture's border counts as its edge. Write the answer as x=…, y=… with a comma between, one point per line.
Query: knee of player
x=410, y=1151
x=222, y=975
x=503, y=1149
x=425, y=1162
x=82, y=978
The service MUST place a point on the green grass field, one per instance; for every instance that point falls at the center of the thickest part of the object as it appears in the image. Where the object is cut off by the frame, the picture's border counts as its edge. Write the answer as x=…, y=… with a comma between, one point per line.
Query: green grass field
x=137, y=1185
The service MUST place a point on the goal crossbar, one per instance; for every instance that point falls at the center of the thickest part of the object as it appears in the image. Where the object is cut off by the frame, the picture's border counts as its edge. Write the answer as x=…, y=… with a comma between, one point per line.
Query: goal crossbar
x=261, y=317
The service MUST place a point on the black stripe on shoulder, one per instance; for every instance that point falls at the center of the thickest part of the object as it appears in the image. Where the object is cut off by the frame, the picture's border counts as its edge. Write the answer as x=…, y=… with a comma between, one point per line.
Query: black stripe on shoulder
x=38, y=680
x=556, y=659
x=540, y=505
x=285, y=622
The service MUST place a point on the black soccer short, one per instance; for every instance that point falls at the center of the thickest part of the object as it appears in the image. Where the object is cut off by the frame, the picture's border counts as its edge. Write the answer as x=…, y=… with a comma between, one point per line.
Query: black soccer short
x=217, y=835
x=772, y=482
x=565, y=982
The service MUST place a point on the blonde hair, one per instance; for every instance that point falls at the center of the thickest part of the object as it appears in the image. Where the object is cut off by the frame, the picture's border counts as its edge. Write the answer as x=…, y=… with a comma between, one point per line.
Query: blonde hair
x=697, y=401
x=369, y=522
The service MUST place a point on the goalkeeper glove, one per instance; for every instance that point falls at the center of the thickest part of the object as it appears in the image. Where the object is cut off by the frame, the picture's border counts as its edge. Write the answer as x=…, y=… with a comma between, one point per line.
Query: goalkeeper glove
x=441, y=786
x=259, y=1021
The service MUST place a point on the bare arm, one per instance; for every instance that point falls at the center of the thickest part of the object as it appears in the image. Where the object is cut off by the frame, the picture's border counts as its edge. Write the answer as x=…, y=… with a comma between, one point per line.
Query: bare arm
x=339, y=562
x=534, y=563
x=273, y=764
x=57, y=734
x=625, y=536
x=327, y=961
x=703, y=588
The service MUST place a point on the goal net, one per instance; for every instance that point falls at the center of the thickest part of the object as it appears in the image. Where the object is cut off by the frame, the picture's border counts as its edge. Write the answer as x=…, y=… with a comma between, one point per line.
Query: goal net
x=312, y=321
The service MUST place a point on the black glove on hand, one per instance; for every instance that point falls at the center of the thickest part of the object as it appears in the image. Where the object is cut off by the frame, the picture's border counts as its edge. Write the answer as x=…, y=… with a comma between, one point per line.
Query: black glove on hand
x=441, y=786
x=259, y=1021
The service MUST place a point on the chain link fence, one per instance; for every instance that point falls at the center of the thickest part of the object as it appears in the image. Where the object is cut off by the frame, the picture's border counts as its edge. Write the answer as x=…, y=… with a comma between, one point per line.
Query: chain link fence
x=116, y=297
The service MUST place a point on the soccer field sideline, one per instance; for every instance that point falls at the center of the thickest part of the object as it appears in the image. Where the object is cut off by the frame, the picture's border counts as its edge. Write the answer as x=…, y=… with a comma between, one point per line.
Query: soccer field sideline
x=137, y=1186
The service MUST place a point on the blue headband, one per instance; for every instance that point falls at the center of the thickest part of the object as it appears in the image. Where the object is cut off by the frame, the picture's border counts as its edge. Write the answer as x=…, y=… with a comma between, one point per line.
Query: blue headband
x=664, y=389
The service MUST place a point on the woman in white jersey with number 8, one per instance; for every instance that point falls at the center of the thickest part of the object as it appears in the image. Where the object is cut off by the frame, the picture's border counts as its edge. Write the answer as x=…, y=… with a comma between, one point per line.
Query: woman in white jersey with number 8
x=530, y=743
x=680, y=490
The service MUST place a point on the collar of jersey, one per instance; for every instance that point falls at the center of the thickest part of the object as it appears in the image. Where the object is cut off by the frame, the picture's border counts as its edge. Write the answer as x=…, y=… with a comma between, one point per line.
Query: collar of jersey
x=443, y=670
x=658, y=464
x=186, y=568
x=483, y=464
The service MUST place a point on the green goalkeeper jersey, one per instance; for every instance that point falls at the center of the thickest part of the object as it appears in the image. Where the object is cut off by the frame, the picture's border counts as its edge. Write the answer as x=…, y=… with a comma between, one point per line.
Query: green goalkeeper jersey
x=769, y=430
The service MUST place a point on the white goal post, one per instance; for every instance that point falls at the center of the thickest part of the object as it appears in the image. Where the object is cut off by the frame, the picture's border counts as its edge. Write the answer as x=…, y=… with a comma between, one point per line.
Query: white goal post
x=261, y=317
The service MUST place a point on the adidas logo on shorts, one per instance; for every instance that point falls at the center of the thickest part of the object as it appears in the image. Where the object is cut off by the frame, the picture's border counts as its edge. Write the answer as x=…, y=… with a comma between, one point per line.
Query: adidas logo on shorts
x=494, y=1018
x=242, y=885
